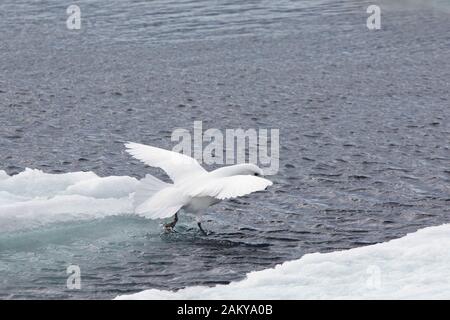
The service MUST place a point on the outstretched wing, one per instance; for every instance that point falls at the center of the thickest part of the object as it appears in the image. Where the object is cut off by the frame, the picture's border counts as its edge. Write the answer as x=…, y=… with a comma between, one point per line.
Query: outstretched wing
x=176, y=165
x=163, y=205
x=230, y=187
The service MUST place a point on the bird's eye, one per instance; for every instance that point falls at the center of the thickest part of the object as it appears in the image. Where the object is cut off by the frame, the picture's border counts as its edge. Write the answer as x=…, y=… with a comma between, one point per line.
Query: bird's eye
x=255, y=174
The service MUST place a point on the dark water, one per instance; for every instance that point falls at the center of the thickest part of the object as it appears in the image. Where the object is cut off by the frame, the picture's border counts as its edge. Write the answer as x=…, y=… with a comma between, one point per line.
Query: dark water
x=363, y=118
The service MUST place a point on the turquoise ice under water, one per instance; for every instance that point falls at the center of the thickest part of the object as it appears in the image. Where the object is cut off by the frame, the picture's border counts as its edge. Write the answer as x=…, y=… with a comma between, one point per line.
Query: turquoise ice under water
x=363, y=119
x=118, y=254
x=49, y=222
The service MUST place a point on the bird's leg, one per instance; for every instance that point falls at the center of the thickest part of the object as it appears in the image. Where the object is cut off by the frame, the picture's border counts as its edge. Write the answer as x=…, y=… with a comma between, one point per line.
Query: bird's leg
x=198, y=218
x=201, y=229
x=170, y=226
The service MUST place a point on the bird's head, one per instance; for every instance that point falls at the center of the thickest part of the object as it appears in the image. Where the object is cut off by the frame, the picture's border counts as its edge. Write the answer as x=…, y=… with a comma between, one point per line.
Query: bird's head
x=249, y=169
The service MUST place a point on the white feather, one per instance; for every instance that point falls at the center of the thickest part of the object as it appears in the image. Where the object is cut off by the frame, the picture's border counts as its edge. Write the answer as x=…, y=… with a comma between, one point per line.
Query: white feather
x=177, y=166
x=230, y=187
x=194, y=189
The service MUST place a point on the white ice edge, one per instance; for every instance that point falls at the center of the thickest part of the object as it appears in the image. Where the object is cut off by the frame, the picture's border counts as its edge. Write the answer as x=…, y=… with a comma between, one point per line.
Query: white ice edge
x=33, y=198
x=416, y=266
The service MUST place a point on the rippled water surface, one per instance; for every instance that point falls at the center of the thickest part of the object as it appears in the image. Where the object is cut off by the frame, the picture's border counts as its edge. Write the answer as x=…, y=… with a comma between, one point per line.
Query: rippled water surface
x=363, y=118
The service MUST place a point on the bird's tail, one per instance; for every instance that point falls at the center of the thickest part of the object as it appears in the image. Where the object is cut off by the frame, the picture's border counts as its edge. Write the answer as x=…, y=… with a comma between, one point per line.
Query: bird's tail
x=148, y=187
x=160, y=206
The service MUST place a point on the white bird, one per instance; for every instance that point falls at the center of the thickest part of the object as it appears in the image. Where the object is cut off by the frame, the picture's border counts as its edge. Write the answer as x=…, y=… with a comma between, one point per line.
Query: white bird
x=193, y=189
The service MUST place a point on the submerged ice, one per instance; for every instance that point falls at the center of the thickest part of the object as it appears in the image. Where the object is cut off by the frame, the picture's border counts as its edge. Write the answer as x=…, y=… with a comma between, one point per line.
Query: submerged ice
x=33, y=198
